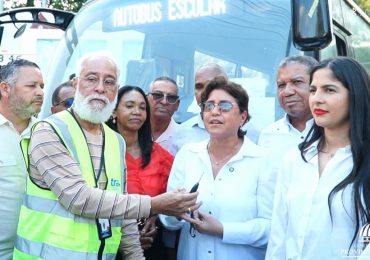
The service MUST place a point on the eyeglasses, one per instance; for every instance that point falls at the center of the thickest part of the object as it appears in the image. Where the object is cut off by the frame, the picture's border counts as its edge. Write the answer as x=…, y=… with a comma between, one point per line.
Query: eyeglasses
x=223, y=106
x=93, y=81
x=158, y=96
x=66, y=103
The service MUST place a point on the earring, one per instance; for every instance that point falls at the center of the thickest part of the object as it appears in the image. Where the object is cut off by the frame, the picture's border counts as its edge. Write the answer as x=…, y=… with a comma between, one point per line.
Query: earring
x=114, y=120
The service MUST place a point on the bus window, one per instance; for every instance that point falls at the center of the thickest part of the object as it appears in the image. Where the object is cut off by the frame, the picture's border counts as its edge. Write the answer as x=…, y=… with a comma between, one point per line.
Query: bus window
x=202, y=58
x=130, y=41
x=330, y=51
x=173, y=37
x=262, y=98
x=360, y=35
x=165, y=38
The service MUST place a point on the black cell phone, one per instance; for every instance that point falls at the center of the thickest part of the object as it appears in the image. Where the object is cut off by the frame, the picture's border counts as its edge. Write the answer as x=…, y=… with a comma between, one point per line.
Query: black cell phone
x=194, y=189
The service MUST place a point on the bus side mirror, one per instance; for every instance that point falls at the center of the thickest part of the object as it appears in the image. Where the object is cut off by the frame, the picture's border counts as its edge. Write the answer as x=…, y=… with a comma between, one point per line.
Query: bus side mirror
x=311, y=24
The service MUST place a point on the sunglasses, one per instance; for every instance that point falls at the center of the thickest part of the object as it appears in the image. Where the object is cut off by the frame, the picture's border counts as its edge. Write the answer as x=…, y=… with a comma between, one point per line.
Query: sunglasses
x=66, y=103
x=223, y=106
x=170, y=98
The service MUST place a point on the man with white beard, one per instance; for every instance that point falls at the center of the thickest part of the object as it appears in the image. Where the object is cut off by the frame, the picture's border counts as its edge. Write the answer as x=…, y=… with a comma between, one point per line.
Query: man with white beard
x=76, y=201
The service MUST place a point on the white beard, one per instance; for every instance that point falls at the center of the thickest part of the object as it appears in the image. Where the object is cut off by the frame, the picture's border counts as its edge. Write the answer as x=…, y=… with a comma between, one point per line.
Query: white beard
x=97, y=113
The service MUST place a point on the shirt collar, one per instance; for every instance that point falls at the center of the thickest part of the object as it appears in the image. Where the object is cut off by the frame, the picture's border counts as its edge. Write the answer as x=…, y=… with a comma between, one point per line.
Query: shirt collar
x=169, y=132
x=286, y=121
x=3, y=120
x=248, y=149
x=26, y=132
x=197, y=121
x=313, y=150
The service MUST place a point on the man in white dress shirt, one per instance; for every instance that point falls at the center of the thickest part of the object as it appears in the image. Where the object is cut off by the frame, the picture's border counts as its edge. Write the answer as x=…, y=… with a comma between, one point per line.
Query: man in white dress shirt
x=21, y=97
x=293, y=80
x=164, y=101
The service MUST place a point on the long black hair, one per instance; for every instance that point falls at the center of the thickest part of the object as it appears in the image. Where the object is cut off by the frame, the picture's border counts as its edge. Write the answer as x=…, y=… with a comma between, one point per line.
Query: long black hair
x=145, y=132
x=356, y=79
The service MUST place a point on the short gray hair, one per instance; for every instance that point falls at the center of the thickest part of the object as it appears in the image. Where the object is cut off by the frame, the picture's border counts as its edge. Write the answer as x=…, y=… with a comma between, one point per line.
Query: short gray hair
x=165, y=78
x=307, y=61
x=10, y=72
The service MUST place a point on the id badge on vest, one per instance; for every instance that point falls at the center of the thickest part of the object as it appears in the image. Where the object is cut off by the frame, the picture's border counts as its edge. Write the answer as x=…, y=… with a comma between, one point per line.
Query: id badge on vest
x=104, y=228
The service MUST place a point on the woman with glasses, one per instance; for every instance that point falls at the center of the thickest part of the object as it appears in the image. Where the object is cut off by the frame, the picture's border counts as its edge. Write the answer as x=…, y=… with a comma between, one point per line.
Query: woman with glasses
x=322, y=201
x=148, y=164
x=234, y=219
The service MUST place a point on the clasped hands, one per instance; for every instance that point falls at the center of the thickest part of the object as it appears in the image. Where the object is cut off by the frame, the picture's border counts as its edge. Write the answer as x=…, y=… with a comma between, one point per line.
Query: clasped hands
x=180, y=203
x=148, y=231
x=206, y=224
x=202, y=222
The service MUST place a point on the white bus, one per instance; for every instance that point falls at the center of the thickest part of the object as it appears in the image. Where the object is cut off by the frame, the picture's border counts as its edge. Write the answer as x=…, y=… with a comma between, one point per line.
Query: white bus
x=172, y=38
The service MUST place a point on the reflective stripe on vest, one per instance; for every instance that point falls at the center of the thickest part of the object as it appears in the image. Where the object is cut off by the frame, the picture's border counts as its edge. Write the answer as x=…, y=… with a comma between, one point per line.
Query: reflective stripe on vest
x=45, y=226
x=55, y=252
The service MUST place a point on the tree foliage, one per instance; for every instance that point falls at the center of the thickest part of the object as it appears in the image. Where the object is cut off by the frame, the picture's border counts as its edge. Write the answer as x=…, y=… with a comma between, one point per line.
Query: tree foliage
x=68, y=5
x=365, y=5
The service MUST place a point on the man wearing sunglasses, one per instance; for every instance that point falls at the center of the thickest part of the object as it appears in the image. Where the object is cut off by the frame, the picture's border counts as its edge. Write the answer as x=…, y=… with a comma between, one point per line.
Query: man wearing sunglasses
x=62, y=97
x=164, y=101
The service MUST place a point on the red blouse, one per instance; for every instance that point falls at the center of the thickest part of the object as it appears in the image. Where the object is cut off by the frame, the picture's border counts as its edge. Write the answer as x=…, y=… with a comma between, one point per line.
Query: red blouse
x=152, y=180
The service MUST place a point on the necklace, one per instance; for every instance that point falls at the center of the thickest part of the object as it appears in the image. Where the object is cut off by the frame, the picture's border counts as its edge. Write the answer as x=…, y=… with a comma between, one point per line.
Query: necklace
x=225, y=158
x=329, y=154
x=214, y=160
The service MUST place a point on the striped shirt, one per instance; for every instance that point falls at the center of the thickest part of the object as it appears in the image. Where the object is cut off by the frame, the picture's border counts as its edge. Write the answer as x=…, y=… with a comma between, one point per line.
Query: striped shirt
x=51, y=166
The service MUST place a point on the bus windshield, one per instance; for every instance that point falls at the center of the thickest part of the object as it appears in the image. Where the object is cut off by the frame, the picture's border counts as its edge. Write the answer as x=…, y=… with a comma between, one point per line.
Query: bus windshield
x=174, y=37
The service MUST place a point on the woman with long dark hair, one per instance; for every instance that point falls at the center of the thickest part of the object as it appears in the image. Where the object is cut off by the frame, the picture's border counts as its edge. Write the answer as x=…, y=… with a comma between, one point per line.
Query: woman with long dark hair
x=322, y=197
x=148, y=164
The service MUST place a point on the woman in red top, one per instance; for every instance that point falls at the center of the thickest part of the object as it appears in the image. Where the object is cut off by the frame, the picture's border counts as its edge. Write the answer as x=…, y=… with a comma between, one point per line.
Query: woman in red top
x=148, y=164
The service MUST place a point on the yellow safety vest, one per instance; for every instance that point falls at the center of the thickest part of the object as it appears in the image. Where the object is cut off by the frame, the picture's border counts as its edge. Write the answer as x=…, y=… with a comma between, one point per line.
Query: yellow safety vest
x=47, y=230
